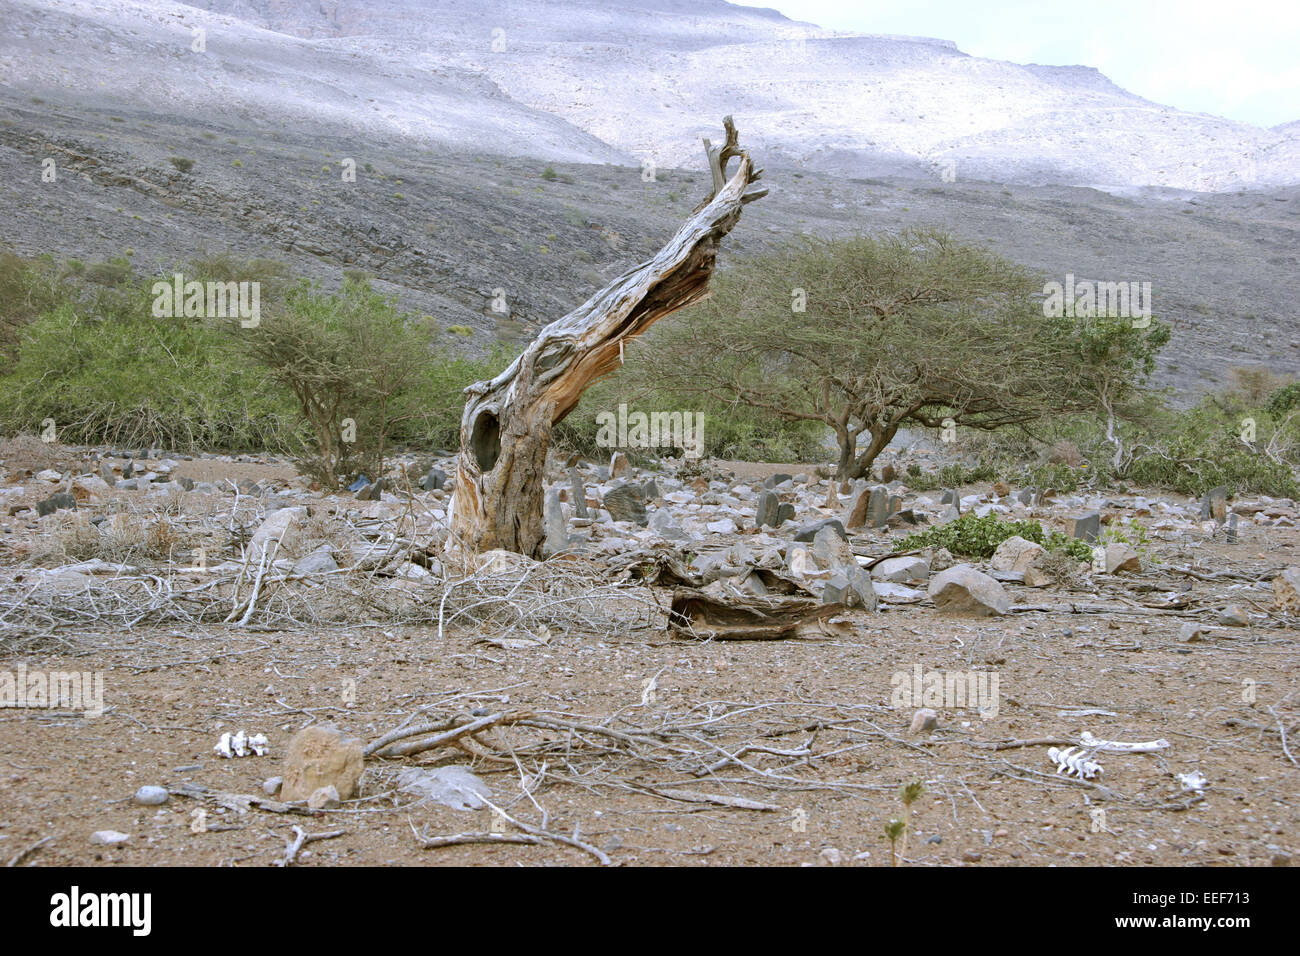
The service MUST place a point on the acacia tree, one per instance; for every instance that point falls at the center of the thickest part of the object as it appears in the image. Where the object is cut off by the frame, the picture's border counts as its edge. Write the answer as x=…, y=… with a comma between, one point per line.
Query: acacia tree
x=866, y=335
x=353, y=362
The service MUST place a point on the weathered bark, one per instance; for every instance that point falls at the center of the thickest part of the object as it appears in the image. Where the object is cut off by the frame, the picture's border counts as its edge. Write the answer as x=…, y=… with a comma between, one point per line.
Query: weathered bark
x=505, y=429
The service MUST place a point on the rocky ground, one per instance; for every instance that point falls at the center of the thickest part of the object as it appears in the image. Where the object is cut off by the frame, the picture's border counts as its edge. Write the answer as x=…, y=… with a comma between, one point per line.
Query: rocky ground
x=577, y=710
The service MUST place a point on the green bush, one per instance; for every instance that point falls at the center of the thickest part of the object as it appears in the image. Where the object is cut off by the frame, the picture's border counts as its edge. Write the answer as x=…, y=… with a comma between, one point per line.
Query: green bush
x=181, y=163
x=140, y=381
x=1284, y=400
x=975, y=537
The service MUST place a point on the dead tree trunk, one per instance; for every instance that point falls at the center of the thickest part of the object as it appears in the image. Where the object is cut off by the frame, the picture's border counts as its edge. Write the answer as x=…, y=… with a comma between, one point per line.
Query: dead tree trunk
x=505, y=430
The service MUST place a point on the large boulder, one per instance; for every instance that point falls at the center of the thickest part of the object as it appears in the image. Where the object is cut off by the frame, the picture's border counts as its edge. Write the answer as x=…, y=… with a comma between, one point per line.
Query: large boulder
x=963, y=590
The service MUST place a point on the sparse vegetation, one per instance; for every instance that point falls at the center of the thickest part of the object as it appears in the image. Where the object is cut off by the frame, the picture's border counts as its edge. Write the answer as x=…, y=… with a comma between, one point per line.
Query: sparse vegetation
x=976, y=537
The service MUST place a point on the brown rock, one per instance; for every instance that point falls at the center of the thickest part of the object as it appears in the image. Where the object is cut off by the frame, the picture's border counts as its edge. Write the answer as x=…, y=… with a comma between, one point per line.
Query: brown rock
x=1286, y=590
x=858, y=515
x=320, y=757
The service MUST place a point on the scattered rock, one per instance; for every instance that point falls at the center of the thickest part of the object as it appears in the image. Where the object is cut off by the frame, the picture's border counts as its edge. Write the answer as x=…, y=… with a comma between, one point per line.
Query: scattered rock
x=1016, y=554
x=1121, y=557
x=320, y=757
x=923, y=721
x=452, y=786
x=1085, y=527
x=271, y=785
x=897, y=593
x=808, y=532
x=55, y=503
x=434, y=480
x=832, y=551
x=281, y=530
x=320, y=561
x=626, y=502
x=902, y=570
x=151, y=796
x=963, y=590
x=831, y=856
x=108, y=837
x=768, y=508
x=1192, y=631
x=324, y=798
x=1234, y=615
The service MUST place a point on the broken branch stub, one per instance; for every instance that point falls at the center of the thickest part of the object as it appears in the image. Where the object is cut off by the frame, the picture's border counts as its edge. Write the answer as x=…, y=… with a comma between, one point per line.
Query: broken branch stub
x=505, y=429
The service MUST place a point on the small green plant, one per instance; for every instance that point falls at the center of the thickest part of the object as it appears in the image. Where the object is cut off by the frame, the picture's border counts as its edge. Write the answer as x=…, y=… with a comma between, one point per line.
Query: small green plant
x=549, y=174
x=181, y=163
x=236, y=163
x=1133, y=534
x=896, y=829
x=464, y=331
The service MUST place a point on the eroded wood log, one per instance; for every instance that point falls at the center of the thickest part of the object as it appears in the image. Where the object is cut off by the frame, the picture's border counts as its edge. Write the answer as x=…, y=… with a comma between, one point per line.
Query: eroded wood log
x=505, y=429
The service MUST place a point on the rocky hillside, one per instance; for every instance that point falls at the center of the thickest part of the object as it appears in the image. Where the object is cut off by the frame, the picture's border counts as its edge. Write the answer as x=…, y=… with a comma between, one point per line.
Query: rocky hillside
x=466, y=184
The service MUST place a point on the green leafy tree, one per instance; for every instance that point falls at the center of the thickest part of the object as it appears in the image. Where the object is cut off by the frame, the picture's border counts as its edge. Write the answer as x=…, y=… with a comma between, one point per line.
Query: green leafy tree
x=353, y=363
x=867, y=335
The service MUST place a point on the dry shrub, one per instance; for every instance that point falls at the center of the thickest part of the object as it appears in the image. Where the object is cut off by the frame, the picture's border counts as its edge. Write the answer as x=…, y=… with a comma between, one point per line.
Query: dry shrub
x=1065, y=568
x=1256, y=384
x=124, y=538
x=1065, y=452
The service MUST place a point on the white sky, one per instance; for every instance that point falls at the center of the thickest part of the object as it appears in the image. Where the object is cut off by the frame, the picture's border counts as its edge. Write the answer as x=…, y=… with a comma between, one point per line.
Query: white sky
x=1240, y=60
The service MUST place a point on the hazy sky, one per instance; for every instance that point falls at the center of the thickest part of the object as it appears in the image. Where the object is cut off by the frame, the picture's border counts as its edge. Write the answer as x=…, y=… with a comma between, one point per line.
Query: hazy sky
x=1240, y=60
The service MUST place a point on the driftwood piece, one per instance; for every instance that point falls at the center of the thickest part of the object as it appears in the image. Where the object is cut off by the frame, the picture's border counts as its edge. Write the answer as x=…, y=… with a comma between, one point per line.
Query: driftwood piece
x=505, y=429
x=697, y=614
